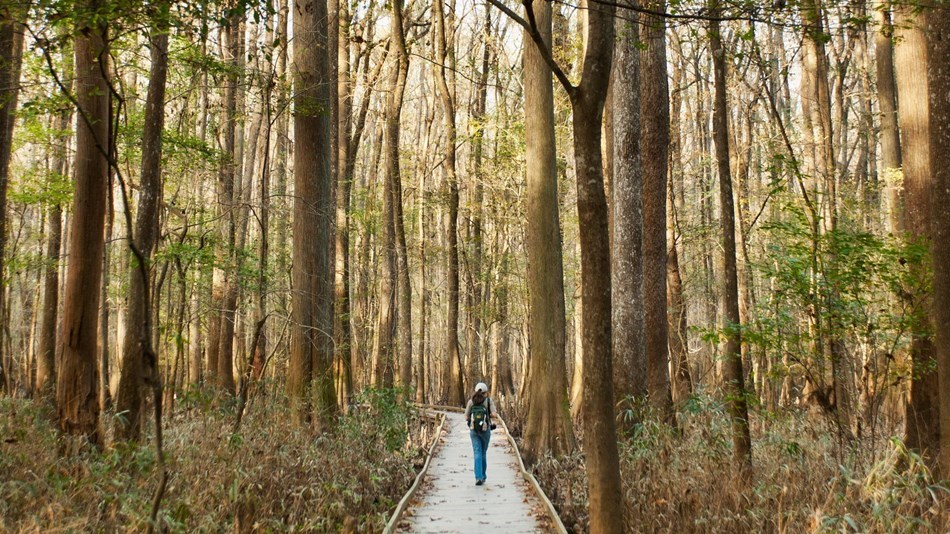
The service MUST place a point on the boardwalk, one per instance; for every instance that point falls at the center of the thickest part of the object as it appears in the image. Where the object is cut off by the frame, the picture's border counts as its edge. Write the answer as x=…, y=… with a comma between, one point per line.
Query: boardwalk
x=449, y=500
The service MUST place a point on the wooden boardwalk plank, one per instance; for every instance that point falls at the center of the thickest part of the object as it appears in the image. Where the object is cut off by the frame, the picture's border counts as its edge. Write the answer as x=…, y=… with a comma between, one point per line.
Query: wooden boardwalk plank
x=449, y=500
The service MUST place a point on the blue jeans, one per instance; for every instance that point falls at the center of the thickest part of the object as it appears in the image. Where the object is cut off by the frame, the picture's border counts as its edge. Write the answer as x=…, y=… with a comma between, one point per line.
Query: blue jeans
x=480, y=446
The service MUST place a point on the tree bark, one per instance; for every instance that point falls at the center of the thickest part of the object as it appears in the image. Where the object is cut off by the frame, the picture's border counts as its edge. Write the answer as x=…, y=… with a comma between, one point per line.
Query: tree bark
x=655, y=144
x=11, y=51
x=220, y=332
x=627, y=305
x=938, y=77
x=129, y=396
x=46, y=351
x=918, y=129
x=341, y=285
x=887, y=99
x=732, y=367
x=311, y=356
x=548, y=424
x=77, y=385
x=452, y=385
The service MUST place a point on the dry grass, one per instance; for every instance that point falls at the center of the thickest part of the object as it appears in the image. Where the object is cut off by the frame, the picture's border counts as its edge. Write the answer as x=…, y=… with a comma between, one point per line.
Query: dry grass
x=686, y=483
x=271, y=476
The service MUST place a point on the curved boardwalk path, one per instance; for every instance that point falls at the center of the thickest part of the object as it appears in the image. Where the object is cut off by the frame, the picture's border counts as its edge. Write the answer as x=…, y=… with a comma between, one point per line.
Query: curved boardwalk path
x=449, y=500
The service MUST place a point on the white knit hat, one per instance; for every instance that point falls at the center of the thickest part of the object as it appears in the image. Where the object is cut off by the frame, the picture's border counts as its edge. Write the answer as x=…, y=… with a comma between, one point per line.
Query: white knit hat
x=481, y=387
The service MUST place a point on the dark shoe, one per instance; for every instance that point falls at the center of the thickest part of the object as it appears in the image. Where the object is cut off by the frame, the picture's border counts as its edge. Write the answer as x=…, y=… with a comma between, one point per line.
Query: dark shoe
x=479, y=482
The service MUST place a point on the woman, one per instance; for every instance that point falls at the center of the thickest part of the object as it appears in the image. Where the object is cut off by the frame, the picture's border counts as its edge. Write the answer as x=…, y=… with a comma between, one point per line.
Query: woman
x=478, y=413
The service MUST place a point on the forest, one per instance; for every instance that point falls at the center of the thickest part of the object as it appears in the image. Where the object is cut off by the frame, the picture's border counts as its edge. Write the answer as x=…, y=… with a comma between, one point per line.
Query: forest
x=699, y=251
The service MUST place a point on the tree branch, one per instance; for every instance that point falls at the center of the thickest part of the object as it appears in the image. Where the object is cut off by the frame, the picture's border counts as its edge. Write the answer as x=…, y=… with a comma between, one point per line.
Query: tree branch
x=530, y=25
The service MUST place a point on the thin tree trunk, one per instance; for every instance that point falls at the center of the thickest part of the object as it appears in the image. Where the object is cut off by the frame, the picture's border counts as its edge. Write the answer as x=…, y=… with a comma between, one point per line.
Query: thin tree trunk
x=887, y=99
x=129, y=397
x=46, y=360
x=452, y=385
x=655, y=145
x=732, y=367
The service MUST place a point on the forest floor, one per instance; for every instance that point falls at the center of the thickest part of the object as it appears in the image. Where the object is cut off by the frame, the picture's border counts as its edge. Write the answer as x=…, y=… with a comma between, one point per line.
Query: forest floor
x=685, y=480
x=270, y=476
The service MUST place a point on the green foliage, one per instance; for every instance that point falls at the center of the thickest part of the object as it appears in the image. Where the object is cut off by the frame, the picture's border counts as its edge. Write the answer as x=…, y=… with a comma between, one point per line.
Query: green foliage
x=840, y=283
x=385, y=416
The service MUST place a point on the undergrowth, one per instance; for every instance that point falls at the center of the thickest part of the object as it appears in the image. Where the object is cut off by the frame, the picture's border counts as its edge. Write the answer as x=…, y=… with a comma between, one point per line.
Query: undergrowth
x=684, y=480
x=272, y=476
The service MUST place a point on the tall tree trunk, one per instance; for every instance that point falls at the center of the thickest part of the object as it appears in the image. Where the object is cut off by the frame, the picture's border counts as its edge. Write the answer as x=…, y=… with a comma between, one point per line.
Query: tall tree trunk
x=732, y=367
x=452, y=384
x=384, y=351
x=655, y=144
x=548, y=424
x=887, y=99
x=403, y=287
x=46, y=351
x=77, y=386
x=918, y=128
x=938, y=76
x=311, y=356
x=627, y=306
x=194, y=338
x=341, y=284
x=11, y=51
x=129, y=397
x=220, y=332
x=816, y=104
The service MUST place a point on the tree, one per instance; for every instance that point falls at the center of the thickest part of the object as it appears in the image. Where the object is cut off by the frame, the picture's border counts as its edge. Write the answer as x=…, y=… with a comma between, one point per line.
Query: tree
x=655, y=145
x=452, y=385
x=311, y=356
x=77, y=386
x=45, y=384
x=11, y=50
x=938, y=78
x=732, y=367
x=223, y=288
x=548, y=424
x=917, y=128
x=627, y=305
x=386, y=325
x=887, y=98
x=129, y=396
x=819, y=137
x=587, y=105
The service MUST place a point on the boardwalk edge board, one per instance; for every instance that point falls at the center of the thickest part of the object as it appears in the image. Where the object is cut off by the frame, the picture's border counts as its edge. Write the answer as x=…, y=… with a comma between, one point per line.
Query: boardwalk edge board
x=548, y=506
x=404, y=502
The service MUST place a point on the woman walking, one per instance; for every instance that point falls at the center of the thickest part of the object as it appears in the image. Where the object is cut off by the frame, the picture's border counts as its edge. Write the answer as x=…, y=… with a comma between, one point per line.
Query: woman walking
x=478, y=413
